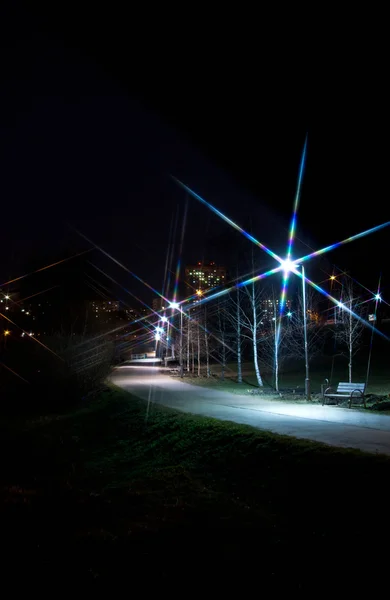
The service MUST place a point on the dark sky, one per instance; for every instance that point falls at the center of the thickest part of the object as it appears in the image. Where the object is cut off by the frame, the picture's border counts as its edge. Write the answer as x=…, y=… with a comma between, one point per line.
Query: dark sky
x=94, y=118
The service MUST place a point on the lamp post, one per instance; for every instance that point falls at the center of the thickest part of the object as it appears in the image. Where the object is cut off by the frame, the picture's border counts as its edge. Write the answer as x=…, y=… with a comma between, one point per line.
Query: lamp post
x=377, y=299
x=307, y=377
x=288, y=267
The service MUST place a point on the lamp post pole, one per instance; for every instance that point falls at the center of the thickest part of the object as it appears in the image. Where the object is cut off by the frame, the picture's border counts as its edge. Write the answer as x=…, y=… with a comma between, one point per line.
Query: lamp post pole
x=307, y=378
x=181, y=345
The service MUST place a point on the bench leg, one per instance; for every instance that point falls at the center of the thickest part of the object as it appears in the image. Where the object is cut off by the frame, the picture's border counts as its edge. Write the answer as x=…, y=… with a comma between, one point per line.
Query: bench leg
x=363, y=397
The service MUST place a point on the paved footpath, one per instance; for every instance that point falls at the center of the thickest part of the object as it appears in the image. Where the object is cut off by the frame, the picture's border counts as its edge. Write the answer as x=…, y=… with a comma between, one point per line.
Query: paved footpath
x=329, y=424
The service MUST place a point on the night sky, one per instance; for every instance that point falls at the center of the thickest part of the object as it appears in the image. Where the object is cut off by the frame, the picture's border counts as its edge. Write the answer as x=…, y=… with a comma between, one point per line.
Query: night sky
x=93, y=122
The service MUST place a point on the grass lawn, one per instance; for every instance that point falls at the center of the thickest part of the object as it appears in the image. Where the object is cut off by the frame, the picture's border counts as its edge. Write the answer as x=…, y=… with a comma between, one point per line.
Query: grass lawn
x=101, y=493
x=379, y=382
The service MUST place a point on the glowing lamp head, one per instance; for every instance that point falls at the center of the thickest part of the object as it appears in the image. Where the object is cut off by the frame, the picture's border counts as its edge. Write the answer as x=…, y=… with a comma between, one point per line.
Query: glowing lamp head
x=157, y=337
x=164, y=319
x=289, y=314
x=199, y=293
x=159, y=330
x=7, y=297
x=174, y=305
x=378, y=297
x=332, y=277
x=7, y=332
x=288, y=265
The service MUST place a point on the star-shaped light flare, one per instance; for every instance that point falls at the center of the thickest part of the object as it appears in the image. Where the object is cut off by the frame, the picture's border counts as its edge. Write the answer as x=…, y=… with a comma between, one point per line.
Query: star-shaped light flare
x=286, y=265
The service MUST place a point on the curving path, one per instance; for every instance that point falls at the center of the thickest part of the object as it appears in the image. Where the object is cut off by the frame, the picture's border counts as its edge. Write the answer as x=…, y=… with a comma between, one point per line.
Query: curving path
x=329, y=424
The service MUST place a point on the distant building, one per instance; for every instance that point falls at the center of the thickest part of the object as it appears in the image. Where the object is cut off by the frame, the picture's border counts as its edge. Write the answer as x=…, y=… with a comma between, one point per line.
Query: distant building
x=268, y=308
x=105, y=306
x=202, y=277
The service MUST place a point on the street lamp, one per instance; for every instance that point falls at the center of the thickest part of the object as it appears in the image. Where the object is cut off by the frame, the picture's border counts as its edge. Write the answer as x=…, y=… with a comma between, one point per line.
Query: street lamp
x=289, y=266
x=377, y=299
x=164, y=319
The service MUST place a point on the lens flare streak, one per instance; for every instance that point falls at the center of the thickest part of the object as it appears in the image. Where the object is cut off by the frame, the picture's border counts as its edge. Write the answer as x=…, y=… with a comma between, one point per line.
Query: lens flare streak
x=14, y=372
x=346, y=241
x=342, y=306
x=226, y=219
x=117, y=262
x=32, y=337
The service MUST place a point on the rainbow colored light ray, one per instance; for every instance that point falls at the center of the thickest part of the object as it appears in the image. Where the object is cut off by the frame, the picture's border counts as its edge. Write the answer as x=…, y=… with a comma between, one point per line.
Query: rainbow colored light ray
x=352, y=238
x=342, y=306
x=296, y=201
x=178, y=267
x=225, y=218
x=286, y=273
x=240, y=284
x=177, y=278
x=292, y=265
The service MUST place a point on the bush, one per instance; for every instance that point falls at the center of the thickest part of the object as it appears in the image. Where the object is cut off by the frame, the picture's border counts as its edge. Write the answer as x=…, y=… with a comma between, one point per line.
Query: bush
x=58, y=376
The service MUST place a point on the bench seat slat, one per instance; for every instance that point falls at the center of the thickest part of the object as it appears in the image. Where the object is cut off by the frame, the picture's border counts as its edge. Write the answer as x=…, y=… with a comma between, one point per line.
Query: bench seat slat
x=347, y=390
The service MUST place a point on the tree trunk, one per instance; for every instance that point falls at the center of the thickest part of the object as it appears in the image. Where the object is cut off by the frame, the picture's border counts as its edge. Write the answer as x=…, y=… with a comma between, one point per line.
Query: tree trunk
x=350, y=345
x=254, y=339
x=188, y=344
x=193, y=356
x=206, y=340
x=276, y=352
x=181, y=346
x=198, y=351
x=238, y=335
x=223, y=357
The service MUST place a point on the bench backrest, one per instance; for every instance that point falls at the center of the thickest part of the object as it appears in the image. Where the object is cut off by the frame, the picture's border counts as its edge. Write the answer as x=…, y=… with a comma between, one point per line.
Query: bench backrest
x=347, y=388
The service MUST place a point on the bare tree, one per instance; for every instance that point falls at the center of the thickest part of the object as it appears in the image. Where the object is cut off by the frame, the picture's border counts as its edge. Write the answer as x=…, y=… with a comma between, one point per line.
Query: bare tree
x=294, y=339
x=282, y=334
x=350, y=323
x=238, y=334
x=244, y=314
x=188, y=341
x=198, y=346
x=191, y=339
x=206, y=343
x=274, y=330
x=223, y=335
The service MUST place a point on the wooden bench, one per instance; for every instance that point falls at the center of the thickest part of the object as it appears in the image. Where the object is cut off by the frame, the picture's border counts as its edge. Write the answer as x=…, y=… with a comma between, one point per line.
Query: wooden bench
x=346, y=390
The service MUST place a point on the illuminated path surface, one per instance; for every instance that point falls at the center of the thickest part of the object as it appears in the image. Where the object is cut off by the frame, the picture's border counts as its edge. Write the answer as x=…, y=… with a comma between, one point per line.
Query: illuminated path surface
x=328, y=424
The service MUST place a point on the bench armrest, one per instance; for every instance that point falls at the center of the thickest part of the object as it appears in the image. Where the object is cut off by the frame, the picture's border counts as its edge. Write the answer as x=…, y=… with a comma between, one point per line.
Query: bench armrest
x=324, y=394
x=361, y=392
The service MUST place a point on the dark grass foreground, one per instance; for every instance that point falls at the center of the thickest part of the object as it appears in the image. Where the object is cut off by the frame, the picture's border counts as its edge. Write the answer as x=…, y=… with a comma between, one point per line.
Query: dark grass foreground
x=101, y=494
